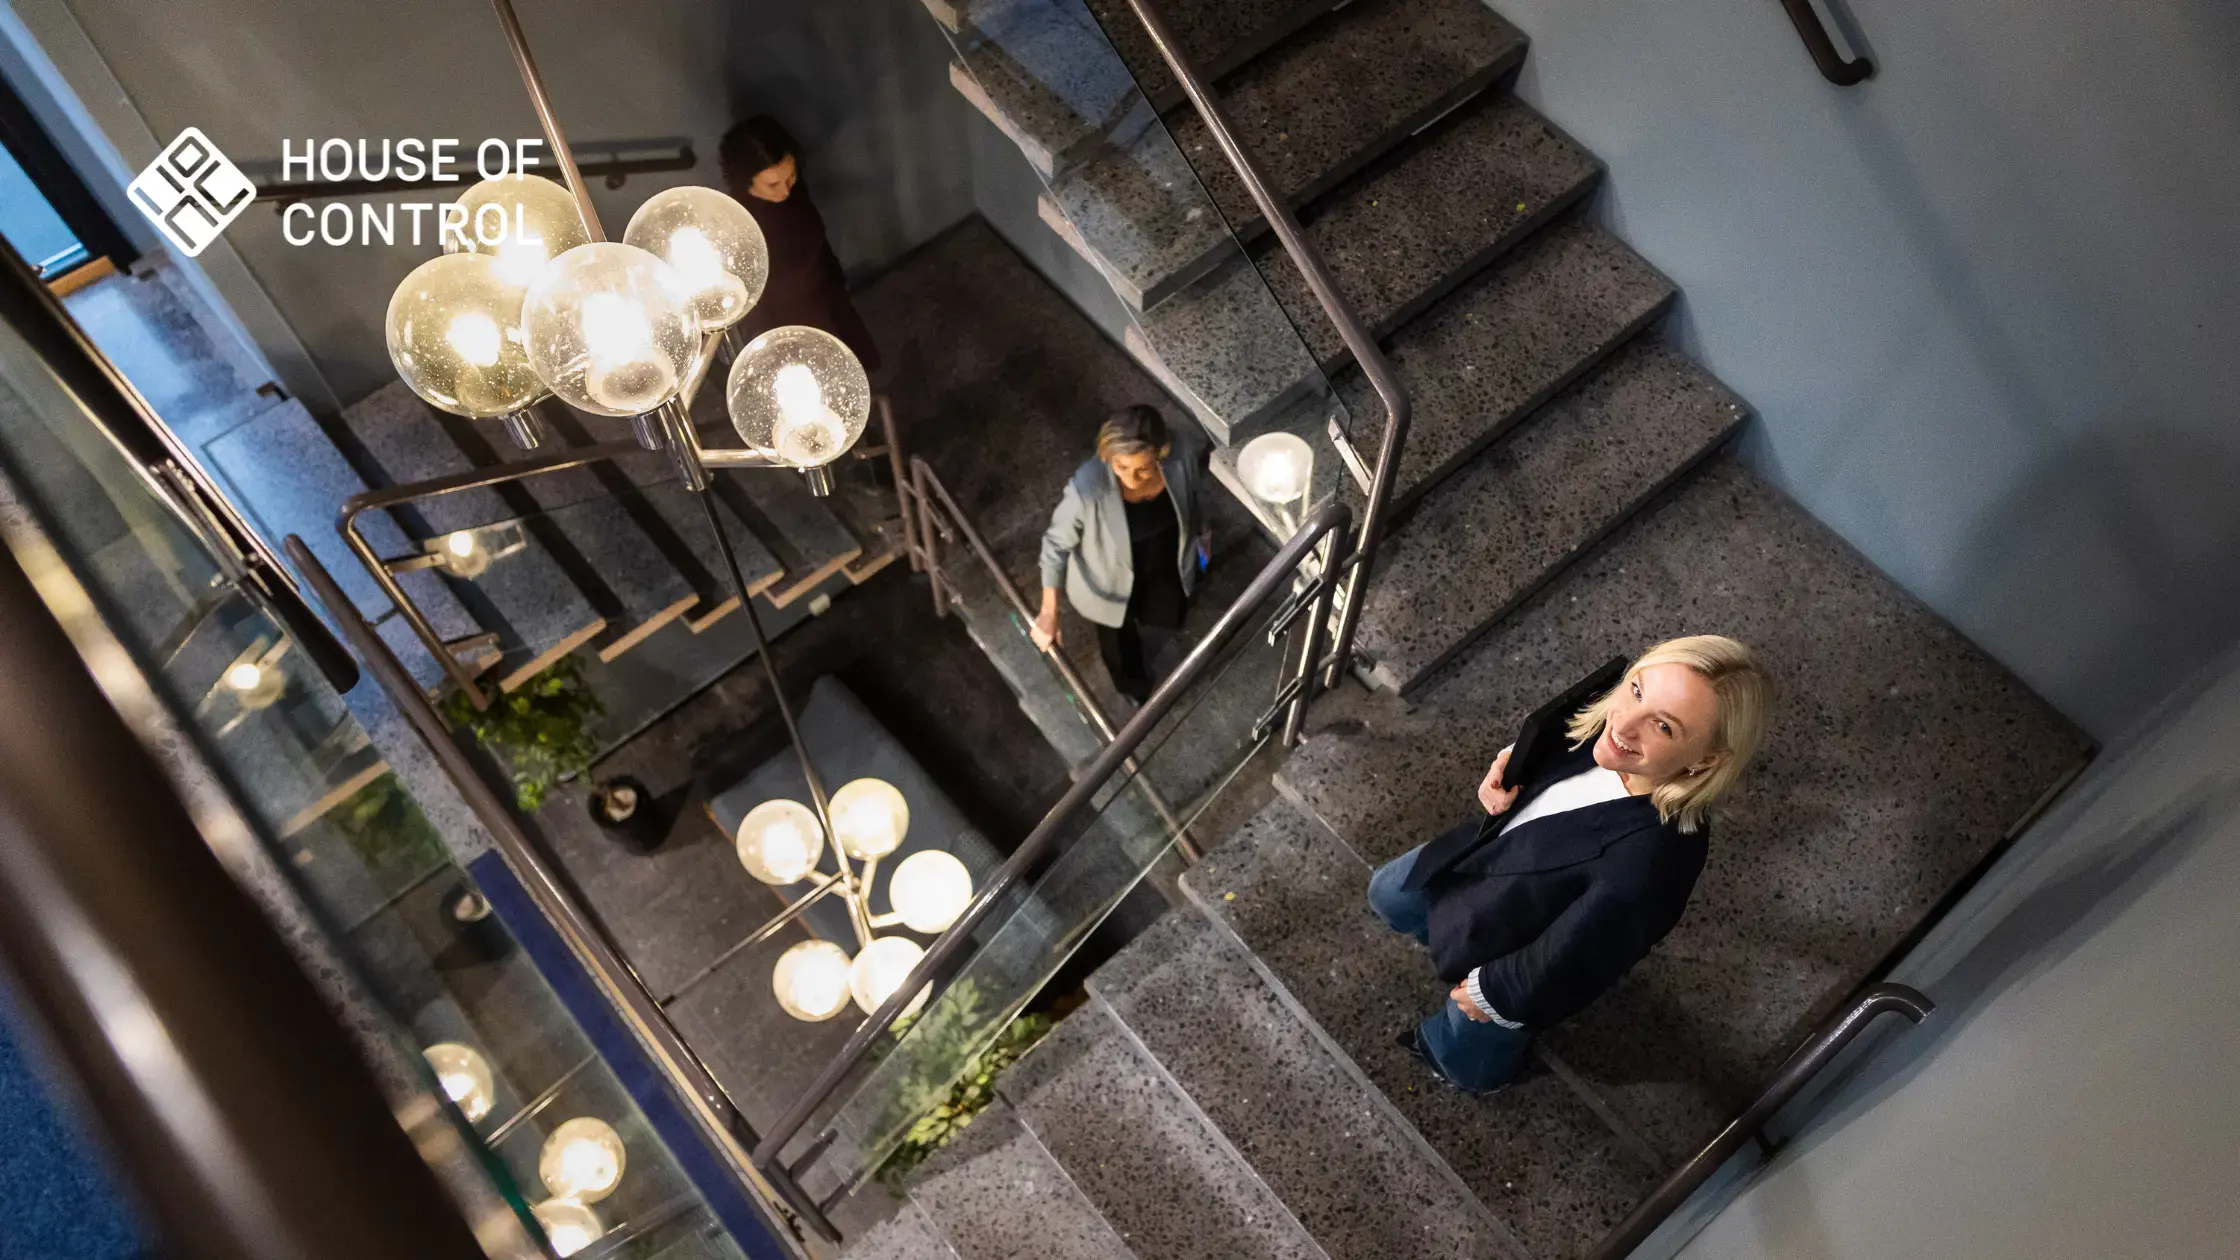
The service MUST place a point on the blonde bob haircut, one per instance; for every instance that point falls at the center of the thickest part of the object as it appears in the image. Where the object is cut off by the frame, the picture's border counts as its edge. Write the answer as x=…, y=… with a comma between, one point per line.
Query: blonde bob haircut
x=1744, y=695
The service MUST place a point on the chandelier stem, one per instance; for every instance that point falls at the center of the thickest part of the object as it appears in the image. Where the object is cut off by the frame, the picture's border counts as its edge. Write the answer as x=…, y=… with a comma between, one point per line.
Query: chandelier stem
x=542, y=103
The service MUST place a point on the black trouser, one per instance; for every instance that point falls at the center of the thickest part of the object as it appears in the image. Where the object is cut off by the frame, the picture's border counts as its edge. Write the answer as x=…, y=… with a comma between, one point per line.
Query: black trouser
x=1132, y=652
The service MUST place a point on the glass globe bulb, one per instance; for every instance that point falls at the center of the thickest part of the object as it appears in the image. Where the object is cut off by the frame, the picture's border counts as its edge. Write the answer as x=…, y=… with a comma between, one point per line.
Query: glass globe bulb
x=812, y=980
x=929, y=890
x=1276, y=467
x=713, y=244
x=800, y=395
x=581, y=1160
x=880, y=970
x=780, y=842
x=610, y=330
x=465, y=1077
x=568, y=1225
x=454, y=332
x=529, y=222
x=869, y=818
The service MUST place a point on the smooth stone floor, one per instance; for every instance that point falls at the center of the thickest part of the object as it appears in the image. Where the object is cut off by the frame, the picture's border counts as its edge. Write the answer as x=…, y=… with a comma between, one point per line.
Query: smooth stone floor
x=1488, y=536
x=1898, y=756
x=1174, y=1188
x=1319, y=1135
x=1536, y=1154
x=1508, y=341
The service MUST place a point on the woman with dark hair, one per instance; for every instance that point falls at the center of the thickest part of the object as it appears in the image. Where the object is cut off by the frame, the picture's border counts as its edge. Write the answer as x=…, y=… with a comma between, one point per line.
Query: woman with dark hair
x=762, y=164
x=1127, y=543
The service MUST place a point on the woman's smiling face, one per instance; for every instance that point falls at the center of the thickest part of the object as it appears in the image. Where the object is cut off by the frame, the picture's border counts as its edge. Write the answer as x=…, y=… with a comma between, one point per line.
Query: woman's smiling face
x=1661, y=725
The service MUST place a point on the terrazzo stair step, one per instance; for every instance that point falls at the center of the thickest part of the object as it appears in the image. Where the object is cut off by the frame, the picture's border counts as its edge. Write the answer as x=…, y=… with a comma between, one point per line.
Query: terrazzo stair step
x=800, y=530
x=1488, y=536
x=1156, y=1169
x=527, y=597
x=1536, y=1154
x=1358, y=1178
x=1041, y=71
x=1499, y=347
x=1219, y=35
x=1313, y=112
x=688, y=521
x=994, y=1193
x=1898, y=757
x=1249, y=344
x=907, y=1235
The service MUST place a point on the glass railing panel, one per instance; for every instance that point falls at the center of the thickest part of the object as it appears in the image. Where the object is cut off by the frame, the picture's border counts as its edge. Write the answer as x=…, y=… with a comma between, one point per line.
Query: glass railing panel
x=1125, y=177
x=367, y=875
x=1193, y=754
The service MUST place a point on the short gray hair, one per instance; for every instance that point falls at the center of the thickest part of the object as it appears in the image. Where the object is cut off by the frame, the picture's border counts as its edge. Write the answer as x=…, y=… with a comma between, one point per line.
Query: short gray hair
x=1133, y=431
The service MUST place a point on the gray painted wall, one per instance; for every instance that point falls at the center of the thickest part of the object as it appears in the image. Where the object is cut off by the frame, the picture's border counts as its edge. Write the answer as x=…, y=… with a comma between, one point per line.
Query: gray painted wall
x=862, y=83
x=2075, y=1096
x=1983, y=303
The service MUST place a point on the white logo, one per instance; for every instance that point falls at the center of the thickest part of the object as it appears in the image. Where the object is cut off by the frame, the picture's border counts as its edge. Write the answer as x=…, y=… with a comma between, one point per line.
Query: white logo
x=192, y=191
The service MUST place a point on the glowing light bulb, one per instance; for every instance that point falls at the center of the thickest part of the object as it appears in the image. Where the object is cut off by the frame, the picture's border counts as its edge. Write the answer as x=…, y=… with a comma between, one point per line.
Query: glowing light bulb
x=1276, y=467
x=869, y=818
x=568, y=1225
x=582, y=1160
x=476, y=337
x=461, y=544
x=880, y=970
x=465, y=1077
x=800, y=395
x=812, y=980
x=255, y=686
x=625, y=374
x=780, y=841
x=520, y=222
x=712, y=244
x=244, y=677
x=608, y=330
x=930, y=888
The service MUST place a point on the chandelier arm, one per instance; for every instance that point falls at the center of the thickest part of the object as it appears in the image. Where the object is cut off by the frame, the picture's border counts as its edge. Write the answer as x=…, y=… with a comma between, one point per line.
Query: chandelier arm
x=542, y=103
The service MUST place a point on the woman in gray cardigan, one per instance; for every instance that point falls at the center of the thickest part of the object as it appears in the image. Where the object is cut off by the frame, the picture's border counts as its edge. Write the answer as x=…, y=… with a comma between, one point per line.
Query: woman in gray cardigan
x=1127, y=544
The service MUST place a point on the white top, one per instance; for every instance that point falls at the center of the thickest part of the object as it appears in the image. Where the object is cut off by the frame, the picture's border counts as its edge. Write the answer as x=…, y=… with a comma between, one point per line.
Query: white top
x=1591, y=786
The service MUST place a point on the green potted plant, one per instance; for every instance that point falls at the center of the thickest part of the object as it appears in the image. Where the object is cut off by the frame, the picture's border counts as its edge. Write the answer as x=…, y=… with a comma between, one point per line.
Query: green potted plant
x=541, y=729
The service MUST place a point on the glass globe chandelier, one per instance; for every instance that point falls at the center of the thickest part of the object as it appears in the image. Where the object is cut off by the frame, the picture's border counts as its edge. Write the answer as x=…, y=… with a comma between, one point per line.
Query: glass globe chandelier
x=781, y=842
x=582, y=1160
x=464, y=1076
x=568, y=1225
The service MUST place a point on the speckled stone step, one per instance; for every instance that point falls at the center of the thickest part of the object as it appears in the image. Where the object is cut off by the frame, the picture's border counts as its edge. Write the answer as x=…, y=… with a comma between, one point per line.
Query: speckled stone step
x=1157, y=1170
x=527, y=597
x=801, y=531
x=907, y=1235
x=1359, y=1178
x=1505, y=343
x=1244, y=346
x=995, y=1194
x=1536, y=1154
x=1898, y=756
x=1043, y=73
x=1487, y=537
x=1155, y=213
x=1219, y=36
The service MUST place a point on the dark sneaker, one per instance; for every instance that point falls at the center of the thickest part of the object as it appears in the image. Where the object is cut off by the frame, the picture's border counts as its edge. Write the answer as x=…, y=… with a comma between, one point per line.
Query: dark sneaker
x=1411, y=1040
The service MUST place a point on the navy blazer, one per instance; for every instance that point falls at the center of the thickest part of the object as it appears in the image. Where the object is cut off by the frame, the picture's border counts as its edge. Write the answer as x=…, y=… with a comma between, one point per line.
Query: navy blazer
x=1555, y=911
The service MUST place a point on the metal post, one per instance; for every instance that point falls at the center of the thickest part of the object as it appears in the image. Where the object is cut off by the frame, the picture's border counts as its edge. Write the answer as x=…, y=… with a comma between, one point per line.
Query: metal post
x=526, y=429
x=542, y=103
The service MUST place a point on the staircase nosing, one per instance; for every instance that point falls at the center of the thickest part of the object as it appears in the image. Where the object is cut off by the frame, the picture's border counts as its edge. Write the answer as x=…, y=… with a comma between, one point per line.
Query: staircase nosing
x=1593, y=1100
x=1378, y=1099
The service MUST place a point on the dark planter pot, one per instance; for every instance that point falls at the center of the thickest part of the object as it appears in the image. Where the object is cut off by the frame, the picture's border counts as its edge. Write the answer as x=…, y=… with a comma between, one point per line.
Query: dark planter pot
x=474, y=924
x=625, y=810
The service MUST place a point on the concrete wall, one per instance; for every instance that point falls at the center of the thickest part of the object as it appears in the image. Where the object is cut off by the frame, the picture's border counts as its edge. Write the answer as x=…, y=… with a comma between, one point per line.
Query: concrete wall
x=1982, y=302
x=2075, y=1095
x=862, y=84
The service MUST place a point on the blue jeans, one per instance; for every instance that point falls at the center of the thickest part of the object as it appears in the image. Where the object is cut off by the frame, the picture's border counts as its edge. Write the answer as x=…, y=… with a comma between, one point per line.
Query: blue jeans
x=1476, y=1056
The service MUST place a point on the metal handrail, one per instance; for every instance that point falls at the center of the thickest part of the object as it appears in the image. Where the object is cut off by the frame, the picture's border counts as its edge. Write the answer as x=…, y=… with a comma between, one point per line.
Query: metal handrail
x=1337, y=307
x=1331, y=522
x=215, y=1070
x=1834, y=67
x=1839, y=1031
x=714, y=1113
x=1071, y=677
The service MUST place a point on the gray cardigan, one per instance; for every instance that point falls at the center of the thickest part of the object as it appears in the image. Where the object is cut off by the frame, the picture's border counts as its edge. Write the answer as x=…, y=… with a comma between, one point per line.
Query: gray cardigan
x=1086, y=550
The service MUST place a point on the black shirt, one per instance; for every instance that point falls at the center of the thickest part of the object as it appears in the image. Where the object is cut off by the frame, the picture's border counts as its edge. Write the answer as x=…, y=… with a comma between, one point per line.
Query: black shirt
x=1155, y=545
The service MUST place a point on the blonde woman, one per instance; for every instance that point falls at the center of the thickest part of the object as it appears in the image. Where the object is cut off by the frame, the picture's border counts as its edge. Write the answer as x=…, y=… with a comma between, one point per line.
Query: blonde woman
x=1127, y=542
x=1535, y=910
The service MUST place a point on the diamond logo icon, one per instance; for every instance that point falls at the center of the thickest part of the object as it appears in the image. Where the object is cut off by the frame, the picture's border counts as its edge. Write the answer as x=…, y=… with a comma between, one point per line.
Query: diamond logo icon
x=192, y=191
